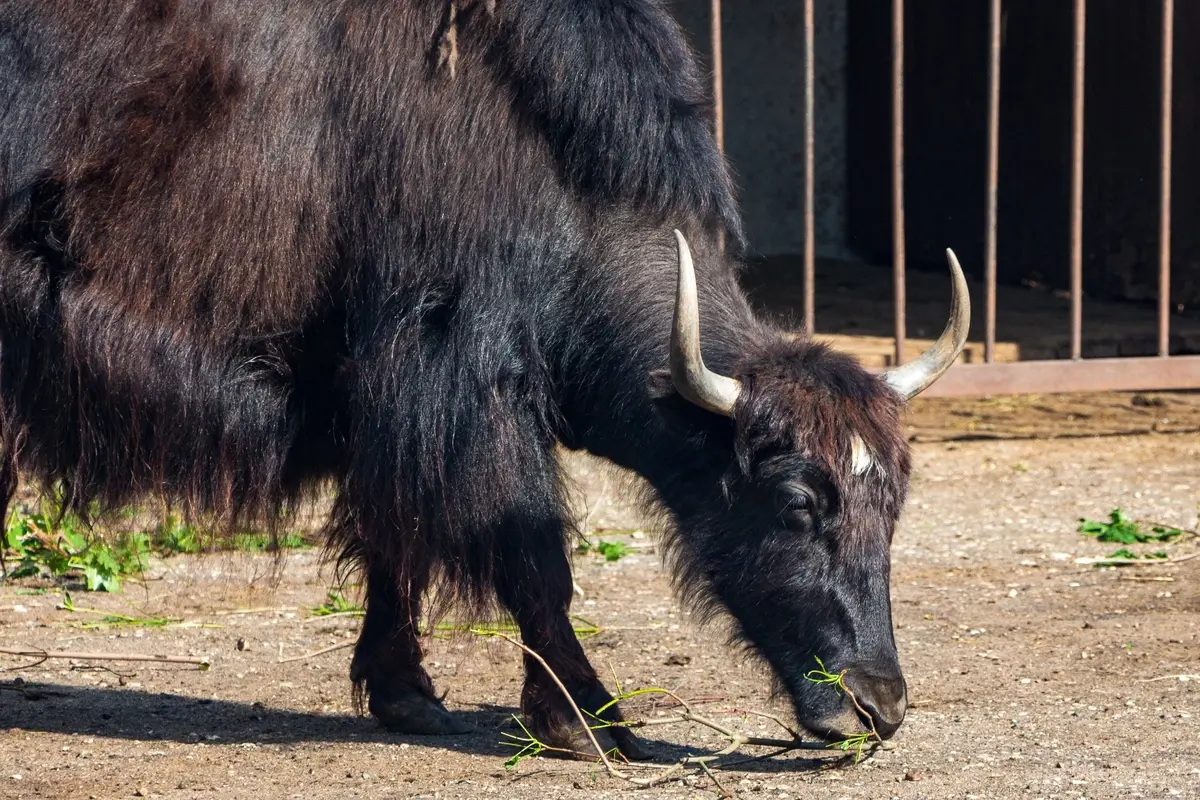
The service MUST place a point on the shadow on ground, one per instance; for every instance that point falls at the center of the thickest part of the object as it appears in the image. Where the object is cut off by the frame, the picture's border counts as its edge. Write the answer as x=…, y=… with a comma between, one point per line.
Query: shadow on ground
x=118, y=713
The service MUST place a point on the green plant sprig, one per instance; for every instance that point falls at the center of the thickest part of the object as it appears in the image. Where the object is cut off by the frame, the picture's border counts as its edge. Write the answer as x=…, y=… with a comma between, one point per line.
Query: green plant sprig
x=1120, y=529
x=837, y=681
x=336, y=603
x=610, y=551
x=56, y=542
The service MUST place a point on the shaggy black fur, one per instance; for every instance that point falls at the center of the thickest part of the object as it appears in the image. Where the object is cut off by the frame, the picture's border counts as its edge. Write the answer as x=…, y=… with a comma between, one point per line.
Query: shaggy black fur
x=248, y=247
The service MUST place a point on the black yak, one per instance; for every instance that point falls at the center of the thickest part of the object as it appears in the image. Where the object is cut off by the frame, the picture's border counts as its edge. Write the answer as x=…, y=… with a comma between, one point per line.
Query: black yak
x=252, y=248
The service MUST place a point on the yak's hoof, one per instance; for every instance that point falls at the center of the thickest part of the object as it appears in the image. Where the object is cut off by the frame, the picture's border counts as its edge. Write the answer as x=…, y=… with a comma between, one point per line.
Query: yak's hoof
x=616, y=737
x=414, y=712
x=578, y=745
x=555, y=723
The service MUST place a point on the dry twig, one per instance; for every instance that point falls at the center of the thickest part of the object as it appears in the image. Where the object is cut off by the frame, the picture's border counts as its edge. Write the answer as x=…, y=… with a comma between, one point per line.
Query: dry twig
x=1141, y=562
x=262, y=610
x=39, y=653
x=724, y=792
x=334, y=615
x=315, y=653
x=1184, y=677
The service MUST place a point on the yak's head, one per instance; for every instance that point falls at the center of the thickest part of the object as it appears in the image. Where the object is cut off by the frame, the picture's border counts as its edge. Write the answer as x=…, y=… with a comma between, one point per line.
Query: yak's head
x=786, y=516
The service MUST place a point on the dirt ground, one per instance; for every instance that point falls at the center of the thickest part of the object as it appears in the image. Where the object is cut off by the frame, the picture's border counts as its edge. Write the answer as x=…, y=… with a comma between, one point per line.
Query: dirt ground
x=1029, y=675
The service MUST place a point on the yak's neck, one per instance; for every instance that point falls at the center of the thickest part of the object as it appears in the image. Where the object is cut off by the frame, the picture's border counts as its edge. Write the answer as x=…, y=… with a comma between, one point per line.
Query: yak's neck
x=615, y=407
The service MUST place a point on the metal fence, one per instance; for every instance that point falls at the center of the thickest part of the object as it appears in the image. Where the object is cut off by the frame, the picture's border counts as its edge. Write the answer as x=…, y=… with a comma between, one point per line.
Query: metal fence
x=1161, y=372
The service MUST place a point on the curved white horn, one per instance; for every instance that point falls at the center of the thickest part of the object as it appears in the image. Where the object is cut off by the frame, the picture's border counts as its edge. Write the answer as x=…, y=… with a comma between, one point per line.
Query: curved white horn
x=917, y=375
x=692, y=379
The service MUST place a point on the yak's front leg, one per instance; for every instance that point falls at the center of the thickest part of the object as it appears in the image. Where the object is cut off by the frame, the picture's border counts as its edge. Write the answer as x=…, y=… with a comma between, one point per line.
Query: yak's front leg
x=533, y=581
x=387, y=659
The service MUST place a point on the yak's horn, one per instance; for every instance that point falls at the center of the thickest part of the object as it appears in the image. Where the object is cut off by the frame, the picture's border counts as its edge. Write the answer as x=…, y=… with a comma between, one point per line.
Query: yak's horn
x=917, y=375
x=692, y=379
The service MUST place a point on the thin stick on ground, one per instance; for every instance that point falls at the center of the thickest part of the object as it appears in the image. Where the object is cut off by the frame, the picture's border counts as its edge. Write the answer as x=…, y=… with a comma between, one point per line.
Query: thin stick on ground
x=774, y=719
x=1184, y=677
x=334, y=615
x=39, y=653
x=724, y=792
x=315, y=653
x=262, y=610
x=735, y=738
x=1140, y=562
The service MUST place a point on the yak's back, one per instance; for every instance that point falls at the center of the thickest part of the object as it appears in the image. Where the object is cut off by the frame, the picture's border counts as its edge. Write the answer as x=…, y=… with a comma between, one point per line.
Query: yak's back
x=197, y=150
x=175, y=147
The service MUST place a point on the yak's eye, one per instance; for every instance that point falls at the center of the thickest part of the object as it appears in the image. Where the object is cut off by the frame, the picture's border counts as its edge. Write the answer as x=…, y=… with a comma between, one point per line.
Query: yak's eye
x=796, y=509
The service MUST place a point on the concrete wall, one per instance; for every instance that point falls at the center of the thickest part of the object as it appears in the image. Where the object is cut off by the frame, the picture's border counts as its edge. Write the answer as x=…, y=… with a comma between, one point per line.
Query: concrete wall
x=763, y=47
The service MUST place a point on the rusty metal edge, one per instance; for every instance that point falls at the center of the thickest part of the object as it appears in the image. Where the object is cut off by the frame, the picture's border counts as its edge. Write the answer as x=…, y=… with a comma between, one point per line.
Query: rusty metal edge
x=809, y=188
x=1077, y=141
x=1148, y=373
x=993, y=180
x=899, y=295
x=1164, y=199
x=718, y=86
x=718, y=72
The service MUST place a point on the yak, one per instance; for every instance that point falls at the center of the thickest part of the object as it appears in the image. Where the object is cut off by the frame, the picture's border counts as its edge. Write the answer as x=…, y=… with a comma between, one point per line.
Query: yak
x=402, y=252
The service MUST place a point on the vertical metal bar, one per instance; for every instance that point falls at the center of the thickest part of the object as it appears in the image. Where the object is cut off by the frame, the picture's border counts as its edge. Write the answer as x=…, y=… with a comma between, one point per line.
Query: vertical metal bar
x=993, y=179
x=898, y=254
x=1164, y=201
x=810, y=260
x=1077, y=184
x=718, y=78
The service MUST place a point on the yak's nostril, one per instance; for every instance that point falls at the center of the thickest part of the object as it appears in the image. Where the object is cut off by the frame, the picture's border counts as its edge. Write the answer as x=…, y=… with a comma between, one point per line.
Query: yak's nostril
x=884, y=723
x=883, y=700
